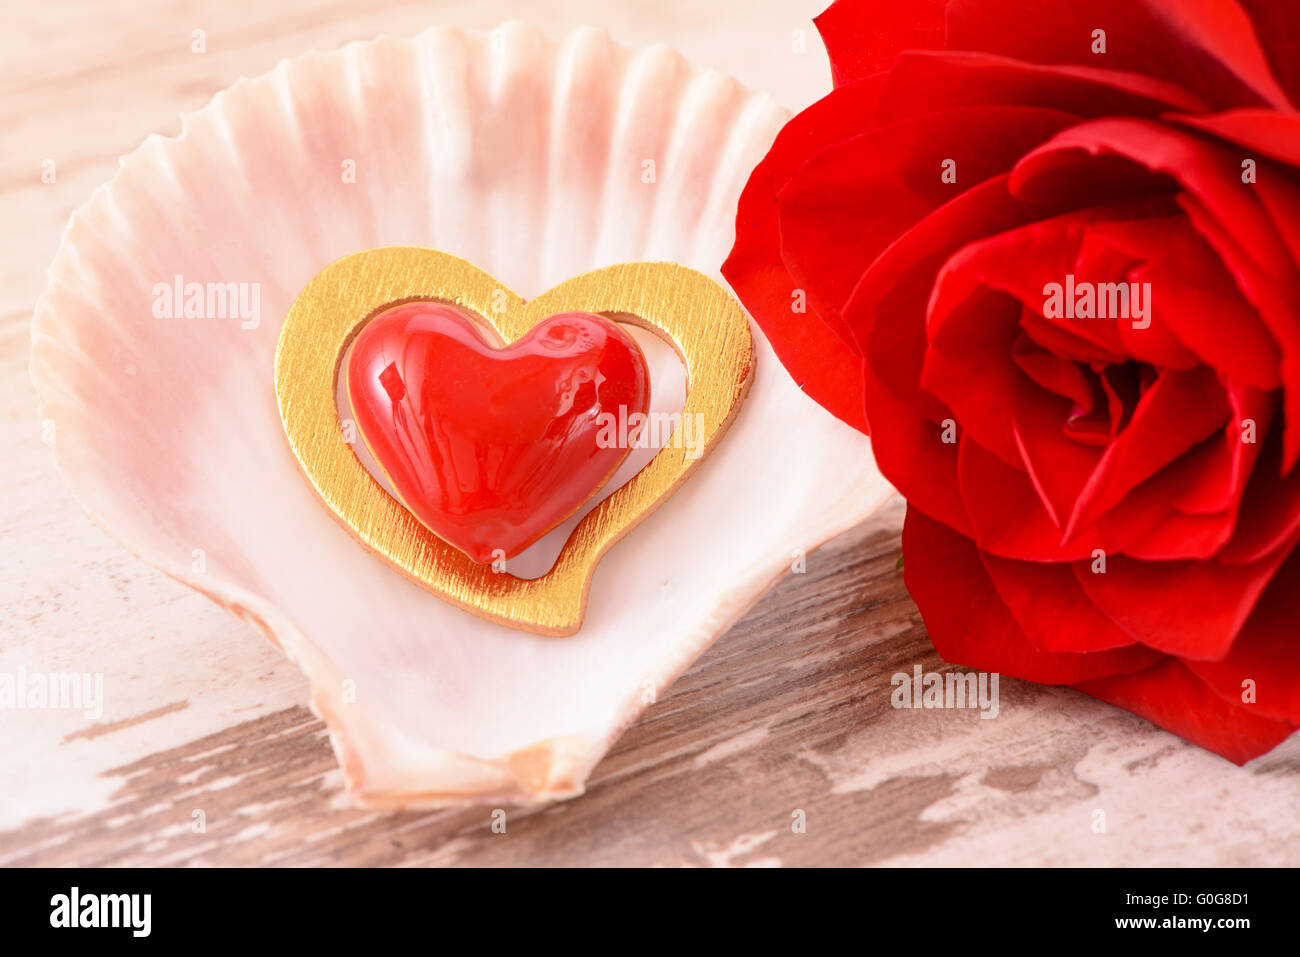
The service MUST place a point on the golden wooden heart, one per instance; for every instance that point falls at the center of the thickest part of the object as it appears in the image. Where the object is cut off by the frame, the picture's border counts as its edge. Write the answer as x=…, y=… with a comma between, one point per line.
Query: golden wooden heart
x=694, y=314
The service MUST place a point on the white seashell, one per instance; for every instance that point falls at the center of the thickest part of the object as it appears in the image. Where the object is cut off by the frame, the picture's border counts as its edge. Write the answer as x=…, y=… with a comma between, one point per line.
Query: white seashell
x=526, y=156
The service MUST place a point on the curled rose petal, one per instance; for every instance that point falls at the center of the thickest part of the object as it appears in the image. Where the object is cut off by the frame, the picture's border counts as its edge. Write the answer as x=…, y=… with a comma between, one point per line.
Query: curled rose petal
x=862, y=37
x=970, y=625
x=1051, y=607
x=1171, y=695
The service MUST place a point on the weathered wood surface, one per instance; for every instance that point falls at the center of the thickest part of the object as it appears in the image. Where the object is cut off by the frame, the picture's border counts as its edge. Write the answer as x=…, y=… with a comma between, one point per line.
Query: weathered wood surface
x=790, y=712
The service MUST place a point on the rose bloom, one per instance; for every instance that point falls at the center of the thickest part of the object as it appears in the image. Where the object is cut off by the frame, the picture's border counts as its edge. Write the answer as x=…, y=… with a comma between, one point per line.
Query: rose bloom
x=1101, y=480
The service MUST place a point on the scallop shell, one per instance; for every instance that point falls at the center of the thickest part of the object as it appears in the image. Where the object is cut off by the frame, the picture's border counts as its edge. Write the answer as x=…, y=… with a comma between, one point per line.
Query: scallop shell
x=538, y=160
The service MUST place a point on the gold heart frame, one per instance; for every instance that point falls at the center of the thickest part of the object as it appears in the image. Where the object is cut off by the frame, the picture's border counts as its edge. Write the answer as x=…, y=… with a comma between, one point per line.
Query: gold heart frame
x=694, y=314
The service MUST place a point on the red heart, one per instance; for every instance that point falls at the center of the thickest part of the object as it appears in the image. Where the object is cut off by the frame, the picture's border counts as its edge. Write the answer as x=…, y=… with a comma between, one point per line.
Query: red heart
x=491, y=448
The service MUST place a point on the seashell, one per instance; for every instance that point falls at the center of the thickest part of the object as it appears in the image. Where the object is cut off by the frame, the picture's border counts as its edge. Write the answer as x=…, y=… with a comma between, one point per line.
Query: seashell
x=537, y=160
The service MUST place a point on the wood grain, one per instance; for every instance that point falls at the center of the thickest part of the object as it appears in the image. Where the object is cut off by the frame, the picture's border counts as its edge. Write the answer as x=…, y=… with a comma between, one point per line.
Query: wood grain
x=790, y=712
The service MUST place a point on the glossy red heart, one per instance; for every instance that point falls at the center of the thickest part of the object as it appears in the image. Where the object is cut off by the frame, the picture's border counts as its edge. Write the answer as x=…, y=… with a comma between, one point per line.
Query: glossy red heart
x=491, y=448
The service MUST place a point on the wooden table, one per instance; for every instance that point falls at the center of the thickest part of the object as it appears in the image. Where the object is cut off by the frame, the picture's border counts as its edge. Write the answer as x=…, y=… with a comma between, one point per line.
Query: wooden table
x=790, y=712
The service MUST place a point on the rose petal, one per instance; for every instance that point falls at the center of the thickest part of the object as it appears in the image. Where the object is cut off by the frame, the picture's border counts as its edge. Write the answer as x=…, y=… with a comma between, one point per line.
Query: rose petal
x=1007, y=513
x=1190, y=509
x=1222, y=472
x=1277, y=306
x=1058, y=466
x=1178, y=412
x=1270, y=512
x=817, y=356
x=1055, y=373
x=911, y=452
x=1205, y=46
x=1170, y=695
x=1234, y=221
x=1277, y=24
x=1147, y=524
x=1195, y=298
x=1051, y=608
x=970, y=625
x=1265, y=653
x=969, y=364
x=898, y=285
x=1193, y=609
x=1207, y=170
x=1265, y=132
x=843, y=207
x=1023, y=261
x=862, y=37
x=923, y=81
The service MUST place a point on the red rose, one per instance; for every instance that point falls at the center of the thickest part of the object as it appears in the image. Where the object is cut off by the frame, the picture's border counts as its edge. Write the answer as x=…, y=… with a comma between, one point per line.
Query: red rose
x=1051, y=251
